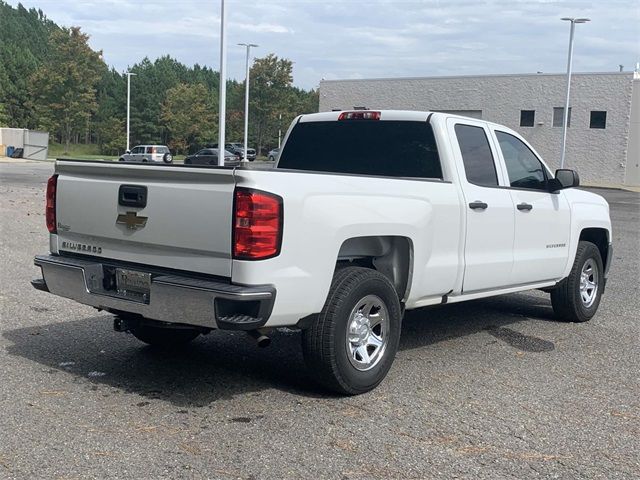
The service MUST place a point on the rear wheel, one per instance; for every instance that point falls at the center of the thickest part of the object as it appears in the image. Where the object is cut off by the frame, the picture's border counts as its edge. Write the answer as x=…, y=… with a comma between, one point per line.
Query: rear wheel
x=352, y=343
x=164, y=337
x=577, y=297
x=167, y=158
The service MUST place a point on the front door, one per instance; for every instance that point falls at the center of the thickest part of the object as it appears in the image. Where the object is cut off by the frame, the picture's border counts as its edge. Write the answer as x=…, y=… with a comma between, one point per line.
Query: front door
x=542, y=219
x=488, y=253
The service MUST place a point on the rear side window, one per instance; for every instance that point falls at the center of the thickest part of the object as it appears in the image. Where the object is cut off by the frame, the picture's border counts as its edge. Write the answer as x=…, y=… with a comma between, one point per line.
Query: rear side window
x=366, y=147
x=479, y=166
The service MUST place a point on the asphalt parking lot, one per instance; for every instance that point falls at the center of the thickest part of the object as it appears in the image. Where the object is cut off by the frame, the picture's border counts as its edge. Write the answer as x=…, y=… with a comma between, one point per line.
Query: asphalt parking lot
x=489, y=389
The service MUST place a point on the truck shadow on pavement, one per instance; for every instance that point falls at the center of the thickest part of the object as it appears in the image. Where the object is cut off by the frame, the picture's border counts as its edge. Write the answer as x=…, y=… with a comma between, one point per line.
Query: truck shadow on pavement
x=224, y=364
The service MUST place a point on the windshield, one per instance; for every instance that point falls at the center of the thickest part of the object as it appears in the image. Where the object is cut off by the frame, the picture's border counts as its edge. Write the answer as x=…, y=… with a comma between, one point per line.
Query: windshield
x=385, y=148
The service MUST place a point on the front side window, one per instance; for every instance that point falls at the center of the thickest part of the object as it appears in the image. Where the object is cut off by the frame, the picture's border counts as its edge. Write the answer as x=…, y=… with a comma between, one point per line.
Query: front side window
x=478, y=161
x=523, y=167
x=137, y=150
x=387, y=148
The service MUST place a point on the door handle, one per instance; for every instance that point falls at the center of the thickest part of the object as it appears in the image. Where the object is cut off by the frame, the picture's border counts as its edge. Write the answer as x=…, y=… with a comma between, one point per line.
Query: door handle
x=478, y=205
x=525, y=206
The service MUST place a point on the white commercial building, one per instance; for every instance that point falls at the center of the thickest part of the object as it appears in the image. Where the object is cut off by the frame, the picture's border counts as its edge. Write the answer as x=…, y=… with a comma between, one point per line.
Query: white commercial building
x=34, y=144
x=603, y=139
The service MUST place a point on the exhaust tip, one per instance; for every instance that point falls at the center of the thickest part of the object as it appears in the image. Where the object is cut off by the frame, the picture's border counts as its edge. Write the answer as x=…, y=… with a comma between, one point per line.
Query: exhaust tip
x=261, y=339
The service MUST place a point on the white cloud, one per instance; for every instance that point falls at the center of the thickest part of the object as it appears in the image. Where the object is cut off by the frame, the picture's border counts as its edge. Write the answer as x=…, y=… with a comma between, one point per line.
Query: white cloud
x=362, y=38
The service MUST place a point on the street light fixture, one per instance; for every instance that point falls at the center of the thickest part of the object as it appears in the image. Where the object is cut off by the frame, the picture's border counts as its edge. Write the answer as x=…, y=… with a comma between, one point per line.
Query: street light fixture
x=246, y=99
x=569, y=61
x=128, y=74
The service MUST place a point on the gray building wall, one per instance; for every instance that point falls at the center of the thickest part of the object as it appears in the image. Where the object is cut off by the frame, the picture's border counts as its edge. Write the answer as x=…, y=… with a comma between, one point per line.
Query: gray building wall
x=599, y=155
x=633, y=154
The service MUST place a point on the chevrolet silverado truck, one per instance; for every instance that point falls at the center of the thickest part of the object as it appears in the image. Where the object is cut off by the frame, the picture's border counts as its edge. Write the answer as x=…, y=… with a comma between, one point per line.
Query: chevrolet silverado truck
x=365, y=215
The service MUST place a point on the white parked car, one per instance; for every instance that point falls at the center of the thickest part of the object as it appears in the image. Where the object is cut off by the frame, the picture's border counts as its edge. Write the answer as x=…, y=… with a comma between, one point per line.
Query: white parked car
x=148, y=153
x=401, y=210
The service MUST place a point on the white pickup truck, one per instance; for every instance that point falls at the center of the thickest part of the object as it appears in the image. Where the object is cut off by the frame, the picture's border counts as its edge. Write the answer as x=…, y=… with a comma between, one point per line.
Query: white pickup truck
x=365, y=215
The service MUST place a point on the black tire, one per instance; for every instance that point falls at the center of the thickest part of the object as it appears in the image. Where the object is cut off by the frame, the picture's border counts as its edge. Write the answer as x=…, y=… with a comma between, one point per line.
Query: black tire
x=164, y=337
x=121, y=159
x=324, y=343
x=271, y=159
x=167, y=158
x=567, y=298
x=187, y=161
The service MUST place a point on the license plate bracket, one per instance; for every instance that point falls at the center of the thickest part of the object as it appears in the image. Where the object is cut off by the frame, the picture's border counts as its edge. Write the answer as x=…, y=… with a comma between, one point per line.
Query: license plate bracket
x=133, y=284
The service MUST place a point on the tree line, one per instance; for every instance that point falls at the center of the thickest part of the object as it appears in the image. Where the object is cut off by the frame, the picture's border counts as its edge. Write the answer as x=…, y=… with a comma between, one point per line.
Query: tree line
x=51, y=79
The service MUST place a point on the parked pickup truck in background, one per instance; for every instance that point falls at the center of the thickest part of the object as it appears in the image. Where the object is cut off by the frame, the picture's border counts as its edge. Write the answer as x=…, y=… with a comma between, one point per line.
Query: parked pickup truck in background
x=402, y=210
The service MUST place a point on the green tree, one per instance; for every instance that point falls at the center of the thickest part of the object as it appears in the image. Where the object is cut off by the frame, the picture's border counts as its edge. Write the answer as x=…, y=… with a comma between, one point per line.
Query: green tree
x=271, y=79
x=63, y=89
x=111, y=134
x=110, y=117
x=188, y=116
x=24, y=44
x=4, y=116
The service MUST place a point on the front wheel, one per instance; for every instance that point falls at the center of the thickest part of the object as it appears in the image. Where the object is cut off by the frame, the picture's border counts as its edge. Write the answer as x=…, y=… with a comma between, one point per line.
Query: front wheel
x=577, y=297
x=351, y=345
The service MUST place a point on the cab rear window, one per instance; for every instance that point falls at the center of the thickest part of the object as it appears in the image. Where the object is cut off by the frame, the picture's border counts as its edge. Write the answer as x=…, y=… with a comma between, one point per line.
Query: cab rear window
x=365, y=147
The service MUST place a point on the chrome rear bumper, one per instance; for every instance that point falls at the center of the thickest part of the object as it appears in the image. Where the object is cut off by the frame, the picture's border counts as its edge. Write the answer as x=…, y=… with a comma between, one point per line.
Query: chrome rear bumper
x=172, y=298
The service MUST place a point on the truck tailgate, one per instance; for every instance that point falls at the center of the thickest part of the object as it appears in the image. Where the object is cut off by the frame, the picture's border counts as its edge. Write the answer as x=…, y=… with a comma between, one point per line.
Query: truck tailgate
x=185, y=224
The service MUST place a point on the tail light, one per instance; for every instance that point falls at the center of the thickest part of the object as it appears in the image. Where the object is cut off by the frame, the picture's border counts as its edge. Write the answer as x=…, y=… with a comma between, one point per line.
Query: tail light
x=257, y=224
x=360, y=115
x=50, y=209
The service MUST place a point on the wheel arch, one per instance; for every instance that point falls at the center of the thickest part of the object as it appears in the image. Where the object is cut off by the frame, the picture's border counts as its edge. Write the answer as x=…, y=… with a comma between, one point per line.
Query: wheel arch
x=599, y=237
x=390, y=255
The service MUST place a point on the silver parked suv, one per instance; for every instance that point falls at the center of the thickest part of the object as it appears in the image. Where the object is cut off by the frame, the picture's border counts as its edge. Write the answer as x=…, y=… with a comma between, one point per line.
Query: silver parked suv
x=148, y=153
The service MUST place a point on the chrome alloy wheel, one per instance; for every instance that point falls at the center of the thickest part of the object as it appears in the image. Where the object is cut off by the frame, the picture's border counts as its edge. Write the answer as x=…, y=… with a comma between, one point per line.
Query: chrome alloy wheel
x=367, y=332
x=588, y=283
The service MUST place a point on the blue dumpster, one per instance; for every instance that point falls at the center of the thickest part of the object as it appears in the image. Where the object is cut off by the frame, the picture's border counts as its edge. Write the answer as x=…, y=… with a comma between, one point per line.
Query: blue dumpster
x=10, y=150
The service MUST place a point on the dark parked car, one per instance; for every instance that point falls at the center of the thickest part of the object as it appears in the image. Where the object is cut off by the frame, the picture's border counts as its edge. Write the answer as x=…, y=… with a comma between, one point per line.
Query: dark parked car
x=209, y=156
x=238, y=149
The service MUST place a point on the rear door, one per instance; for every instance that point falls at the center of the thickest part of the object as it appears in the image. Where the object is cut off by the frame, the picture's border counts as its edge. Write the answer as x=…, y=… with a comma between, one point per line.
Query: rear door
x=542, y=219
x=183, y=222
x=488, y=252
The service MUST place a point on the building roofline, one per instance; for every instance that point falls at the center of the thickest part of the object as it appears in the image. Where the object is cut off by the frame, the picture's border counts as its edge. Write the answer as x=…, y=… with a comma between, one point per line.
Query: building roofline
x=492, y=75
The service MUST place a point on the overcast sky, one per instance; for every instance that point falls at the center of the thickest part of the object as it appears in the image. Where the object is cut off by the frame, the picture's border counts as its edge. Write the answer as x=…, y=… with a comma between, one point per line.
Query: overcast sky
x=362, y=39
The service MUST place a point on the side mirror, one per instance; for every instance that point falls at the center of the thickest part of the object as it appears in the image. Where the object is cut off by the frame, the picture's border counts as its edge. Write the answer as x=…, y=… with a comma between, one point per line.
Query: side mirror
x=565, y=178
x=127, y=152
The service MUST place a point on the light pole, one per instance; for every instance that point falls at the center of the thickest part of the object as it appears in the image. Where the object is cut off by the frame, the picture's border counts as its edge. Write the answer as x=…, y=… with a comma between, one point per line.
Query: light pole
x=566, y=105
x=128, y=74
x=222, y=108
x=246, y=99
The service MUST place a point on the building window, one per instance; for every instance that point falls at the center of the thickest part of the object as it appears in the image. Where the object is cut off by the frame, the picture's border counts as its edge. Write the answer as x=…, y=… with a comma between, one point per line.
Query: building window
x=598, y=119
x=527, y=118
x=558, y=117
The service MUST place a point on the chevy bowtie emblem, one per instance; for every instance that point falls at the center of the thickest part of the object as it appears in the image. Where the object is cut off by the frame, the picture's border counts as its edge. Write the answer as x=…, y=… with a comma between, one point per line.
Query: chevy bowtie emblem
x=131, y=220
